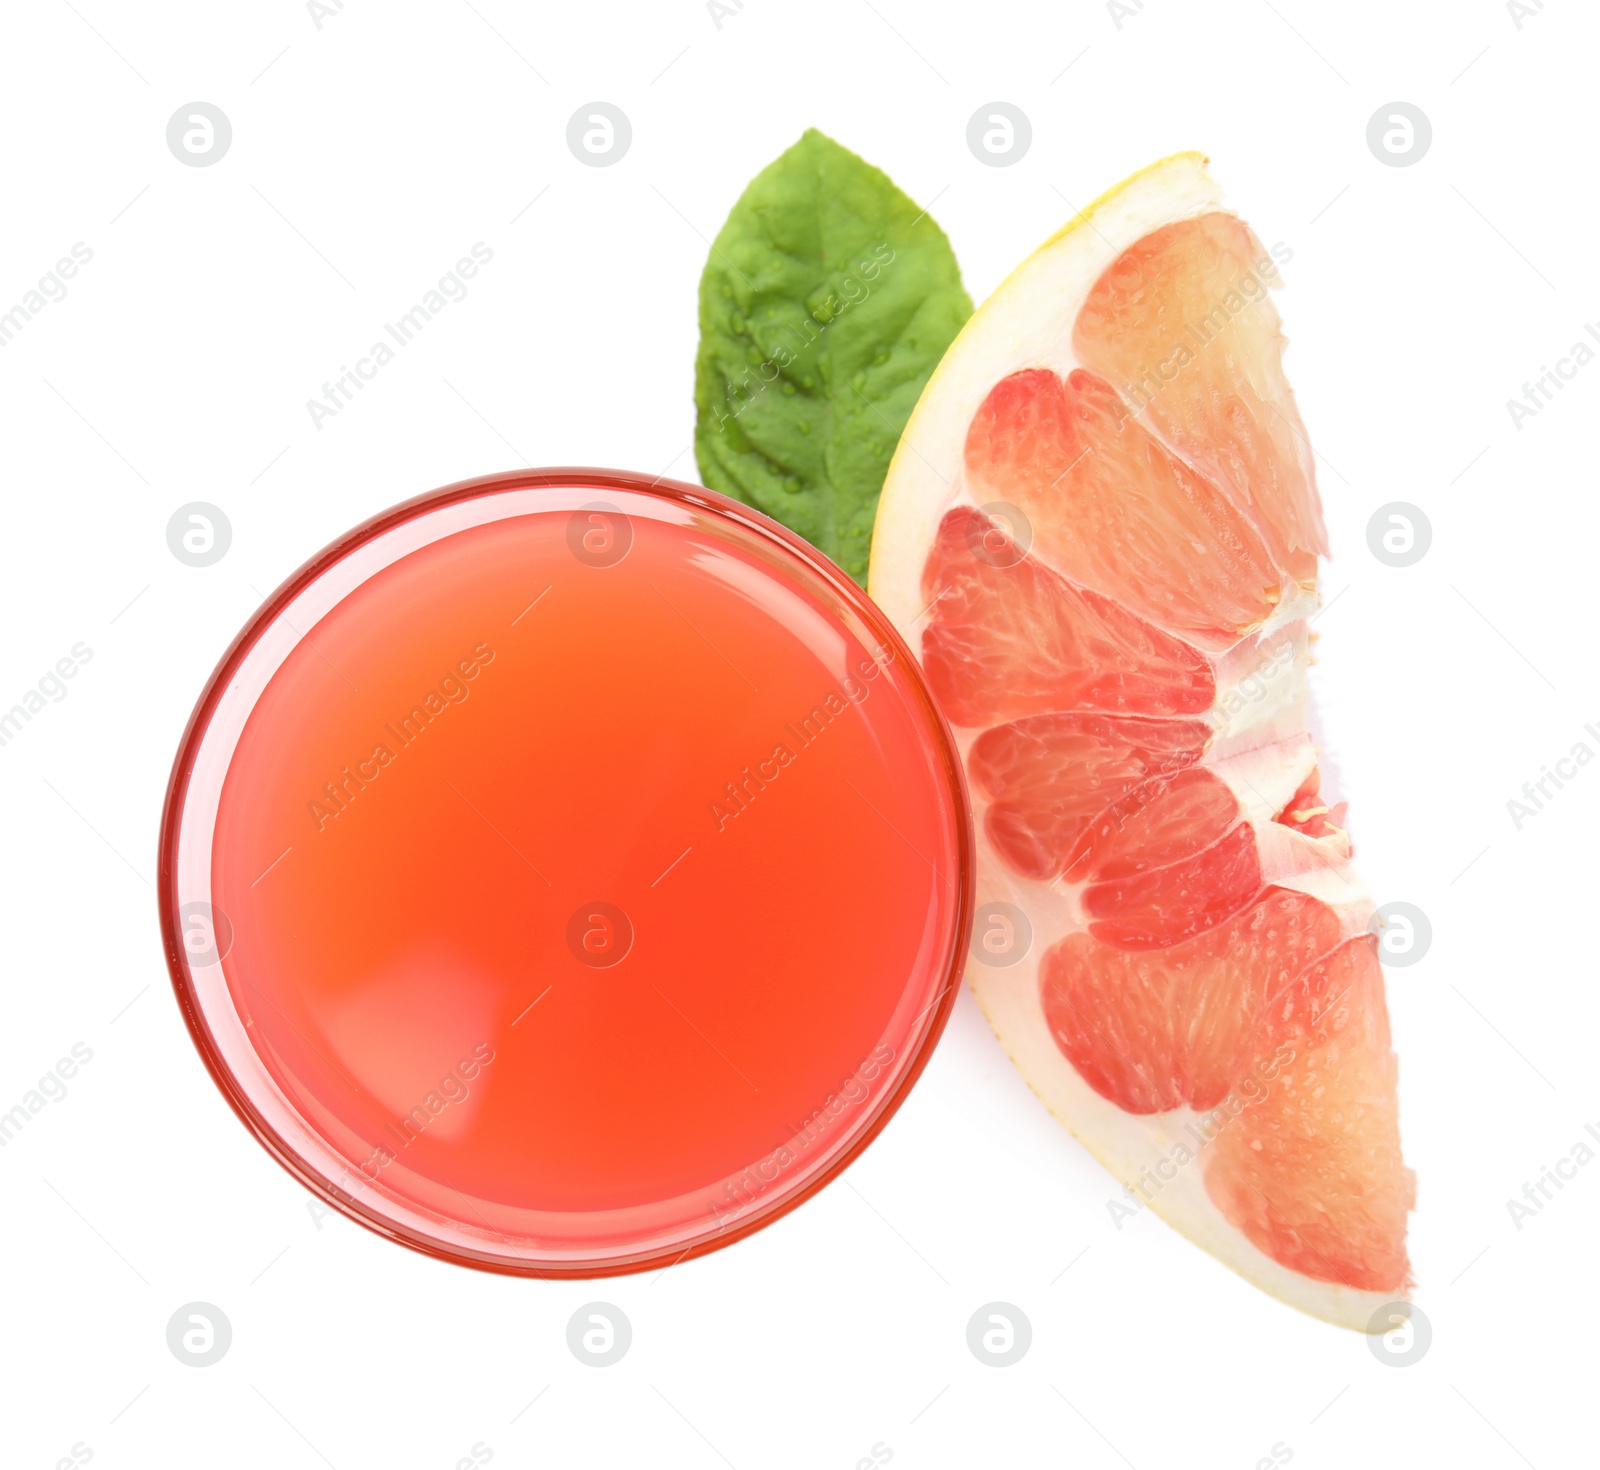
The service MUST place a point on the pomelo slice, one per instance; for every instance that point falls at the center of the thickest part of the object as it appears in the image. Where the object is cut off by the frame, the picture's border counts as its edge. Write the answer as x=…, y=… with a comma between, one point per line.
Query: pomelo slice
x=1101, y=532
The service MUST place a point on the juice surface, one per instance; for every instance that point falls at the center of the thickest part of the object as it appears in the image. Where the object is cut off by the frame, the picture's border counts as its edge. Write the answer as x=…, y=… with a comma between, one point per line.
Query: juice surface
x=578, y=898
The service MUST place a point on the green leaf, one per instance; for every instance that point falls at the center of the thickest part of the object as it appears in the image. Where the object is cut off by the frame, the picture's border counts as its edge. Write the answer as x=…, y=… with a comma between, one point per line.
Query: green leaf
x=828, y=299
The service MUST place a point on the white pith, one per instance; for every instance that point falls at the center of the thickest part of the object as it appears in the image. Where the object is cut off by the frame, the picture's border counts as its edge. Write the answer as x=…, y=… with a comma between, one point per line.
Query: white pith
x=1260, y=720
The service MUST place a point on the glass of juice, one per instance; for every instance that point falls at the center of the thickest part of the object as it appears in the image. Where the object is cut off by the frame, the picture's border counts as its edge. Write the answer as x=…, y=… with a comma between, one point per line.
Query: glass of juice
x=566, y=872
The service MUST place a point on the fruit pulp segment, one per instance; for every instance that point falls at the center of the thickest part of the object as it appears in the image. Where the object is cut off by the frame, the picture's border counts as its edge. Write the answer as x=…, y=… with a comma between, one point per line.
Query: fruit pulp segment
x=1110, y=505
x=1008, y=637
x=1312, y=1172
x=1048, y=777
x=562, y=888
x=1182, y=322
x=1154, y=1032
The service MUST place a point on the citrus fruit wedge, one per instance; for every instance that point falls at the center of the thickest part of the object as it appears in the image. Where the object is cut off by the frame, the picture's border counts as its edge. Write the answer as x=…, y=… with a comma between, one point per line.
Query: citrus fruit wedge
x=1101, y=533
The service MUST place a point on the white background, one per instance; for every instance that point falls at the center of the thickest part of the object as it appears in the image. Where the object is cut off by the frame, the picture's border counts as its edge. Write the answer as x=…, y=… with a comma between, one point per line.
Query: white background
x=367, y=157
